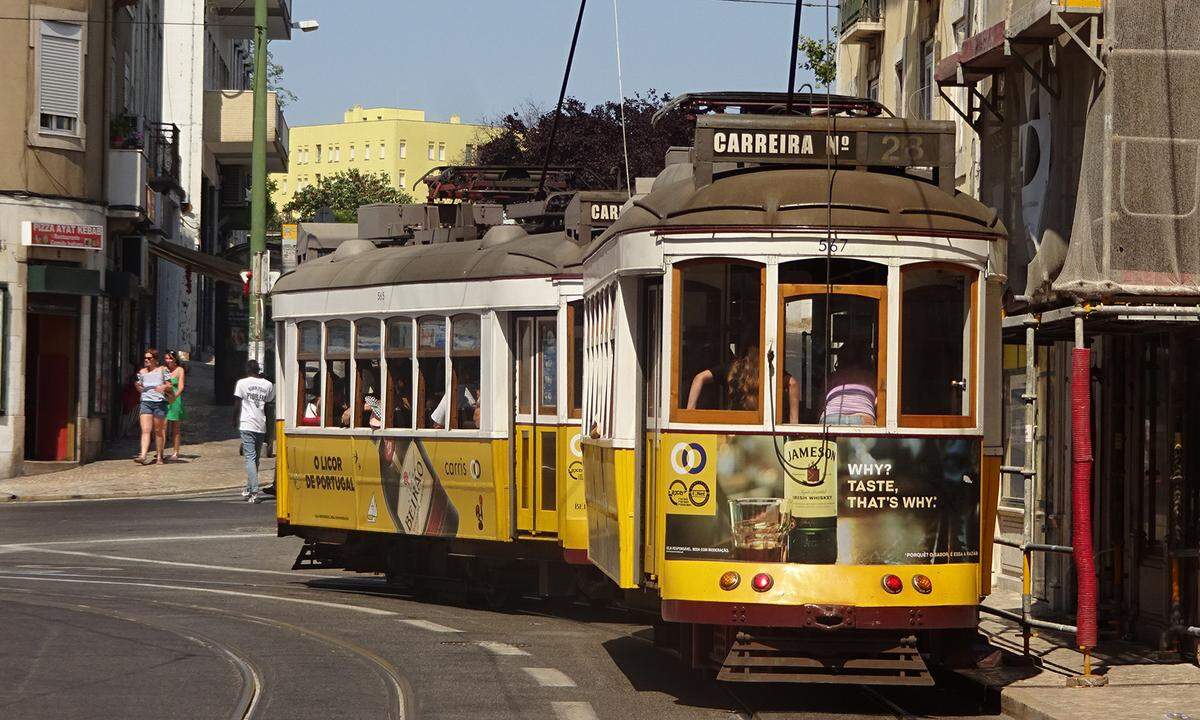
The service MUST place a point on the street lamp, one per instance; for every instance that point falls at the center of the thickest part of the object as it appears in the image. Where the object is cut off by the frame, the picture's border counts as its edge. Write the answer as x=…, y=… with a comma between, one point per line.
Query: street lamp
x=258, y=174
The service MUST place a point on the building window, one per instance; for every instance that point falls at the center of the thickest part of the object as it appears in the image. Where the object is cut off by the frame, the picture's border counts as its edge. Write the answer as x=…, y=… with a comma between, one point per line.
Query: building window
x=60, y=76
x=431, y=152
x=718, y=337
x=367, y=151
x=926, y=79
x=351, y=153
x=441, y=151
x=382, y=151
x=318, y=153
x=873, y=71
x=403, y=149
x=469, y=154
x=400, y=179
x=337, y=153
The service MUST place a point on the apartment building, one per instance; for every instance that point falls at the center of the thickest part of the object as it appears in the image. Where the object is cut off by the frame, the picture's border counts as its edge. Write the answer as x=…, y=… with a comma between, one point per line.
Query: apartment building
x=1076, y=123
x=397, y=142
x=111, y=160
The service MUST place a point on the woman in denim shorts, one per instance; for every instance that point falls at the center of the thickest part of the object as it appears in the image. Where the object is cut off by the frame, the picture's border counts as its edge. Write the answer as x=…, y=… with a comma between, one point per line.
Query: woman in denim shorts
x=154, y=385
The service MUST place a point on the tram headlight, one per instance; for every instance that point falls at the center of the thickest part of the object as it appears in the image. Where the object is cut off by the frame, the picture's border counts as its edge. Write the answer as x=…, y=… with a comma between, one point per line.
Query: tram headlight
x=730, y=580
x=762, y=582
x=922, y=584
x=892, y=584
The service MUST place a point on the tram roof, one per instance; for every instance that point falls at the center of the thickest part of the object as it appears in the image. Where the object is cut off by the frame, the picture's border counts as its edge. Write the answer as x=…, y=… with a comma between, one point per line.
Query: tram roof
x=775, y=198
x=541, y=255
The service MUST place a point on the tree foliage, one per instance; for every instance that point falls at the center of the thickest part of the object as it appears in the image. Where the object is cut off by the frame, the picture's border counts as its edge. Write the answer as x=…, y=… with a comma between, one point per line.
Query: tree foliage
x=590, y=138
x=342, y=194
x=283, y=95
x=821, y=58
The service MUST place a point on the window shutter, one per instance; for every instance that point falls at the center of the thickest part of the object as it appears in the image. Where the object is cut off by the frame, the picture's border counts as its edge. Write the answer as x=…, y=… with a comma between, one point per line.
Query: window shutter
x=59, y=58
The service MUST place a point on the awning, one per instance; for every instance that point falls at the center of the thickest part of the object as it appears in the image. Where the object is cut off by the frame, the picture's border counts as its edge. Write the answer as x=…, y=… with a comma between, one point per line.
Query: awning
x=201, y=262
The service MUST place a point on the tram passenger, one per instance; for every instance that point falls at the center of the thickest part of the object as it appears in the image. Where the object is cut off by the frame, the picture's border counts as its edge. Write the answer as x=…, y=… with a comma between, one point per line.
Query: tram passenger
x=739, y=377
x=341, y=405
x=372, y=408
x=466, y=405
x=401, y=402
x=312, y=408
x=850, y=399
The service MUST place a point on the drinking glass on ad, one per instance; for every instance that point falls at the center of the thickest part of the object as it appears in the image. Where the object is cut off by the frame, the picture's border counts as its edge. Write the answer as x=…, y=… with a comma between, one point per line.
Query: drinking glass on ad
x=760, y=528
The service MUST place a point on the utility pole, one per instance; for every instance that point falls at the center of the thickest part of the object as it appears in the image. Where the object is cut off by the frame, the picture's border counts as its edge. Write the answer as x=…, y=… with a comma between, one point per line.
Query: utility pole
x=258, y=190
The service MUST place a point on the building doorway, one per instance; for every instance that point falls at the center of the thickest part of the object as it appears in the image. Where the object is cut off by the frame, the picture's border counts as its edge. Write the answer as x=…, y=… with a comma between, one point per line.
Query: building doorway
x=51, y=386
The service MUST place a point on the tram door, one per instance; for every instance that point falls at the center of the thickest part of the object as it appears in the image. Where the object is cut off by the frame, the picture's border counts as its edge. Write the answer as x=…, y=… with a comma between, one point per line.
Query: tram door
x=536, y=436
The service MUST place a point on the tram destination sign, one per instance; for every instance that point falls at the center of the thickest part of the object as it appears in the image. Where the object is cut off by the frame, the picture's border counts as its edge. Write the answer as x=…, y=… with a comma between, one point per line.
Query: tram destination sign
x=845, y=142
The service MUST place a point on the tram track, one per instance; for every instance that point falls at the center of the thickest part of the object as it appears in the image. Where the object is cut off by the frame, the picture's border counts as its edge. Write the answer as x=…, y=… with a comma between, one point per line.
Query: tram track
x=254, y=690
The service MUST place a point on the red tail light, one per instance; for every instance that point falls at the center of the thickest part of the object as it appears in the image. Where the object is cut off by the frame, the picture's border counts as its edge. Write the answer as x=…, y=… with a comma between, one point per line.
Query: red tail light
x=730, y=580
x=762, y=582
x=922, y=584
x=892, y=583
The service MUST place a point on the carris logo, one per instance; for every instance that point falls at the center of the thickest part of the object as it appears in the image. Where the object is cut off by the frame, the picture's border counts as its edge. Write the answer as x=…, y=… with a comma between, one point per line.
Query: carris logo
x=688, y=458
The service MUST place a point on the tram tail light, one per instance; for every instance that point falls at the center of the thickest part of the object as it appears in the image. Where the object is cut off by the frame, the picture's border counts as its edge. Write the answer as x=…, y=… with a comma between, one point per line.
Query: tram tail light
x=922, y=584
x=892, y=584
x=762, y=582
x=730, y=580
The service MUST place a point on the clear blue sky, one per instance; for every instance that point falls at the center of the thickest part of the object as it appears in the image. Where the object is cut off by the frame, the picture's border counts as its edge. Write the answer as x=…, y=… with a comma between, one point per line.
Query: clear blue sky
x=481, y=58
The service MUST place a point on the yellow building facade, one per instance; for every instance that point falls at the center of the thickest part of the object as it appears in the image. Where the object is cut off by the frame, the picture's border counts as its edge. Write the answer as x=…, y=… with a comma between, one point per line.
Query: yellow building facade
x=398, y=142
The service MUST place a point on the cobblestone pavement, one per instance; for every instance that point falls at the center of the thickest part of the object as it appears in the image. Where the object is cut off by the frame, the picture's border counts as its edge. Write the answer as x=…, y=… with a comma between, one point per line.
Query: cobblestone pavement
x=209, y=458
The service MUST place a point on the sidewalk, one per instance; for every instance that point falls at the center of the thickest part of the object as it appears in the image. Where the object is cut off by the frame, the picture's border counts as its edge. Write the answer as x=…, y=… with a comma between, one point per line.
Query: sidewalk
x=1139, y=686
x=209, y=459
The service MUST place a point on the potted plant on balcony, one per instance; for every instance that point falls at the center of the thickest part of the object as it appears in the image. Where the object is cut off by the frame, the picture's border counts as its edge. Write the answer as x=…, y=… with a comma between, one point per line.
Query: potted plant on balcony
x=123, y=132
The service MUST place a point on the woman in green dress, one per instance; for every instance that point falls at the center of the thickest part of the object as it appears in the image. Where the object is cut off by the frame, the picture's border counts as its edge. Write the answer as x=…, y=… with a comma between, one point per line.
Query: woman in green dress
x=175, y=411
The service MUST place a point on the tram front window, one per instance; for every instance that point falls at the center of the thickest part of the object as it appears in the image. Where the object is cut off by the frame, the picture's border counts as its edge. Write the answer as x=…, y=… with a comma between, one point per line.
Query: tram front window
x=719, y=343
x=935, y=357
x=399, y=371
x=431, y=369
x=830, y=359
x=337, y=374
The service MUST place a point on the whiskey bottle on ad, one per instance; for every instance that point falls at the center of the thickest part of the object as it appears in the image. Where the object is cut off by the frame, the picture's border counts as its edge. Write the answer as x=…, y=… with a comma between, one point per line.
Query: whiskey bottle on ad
x=810, y=487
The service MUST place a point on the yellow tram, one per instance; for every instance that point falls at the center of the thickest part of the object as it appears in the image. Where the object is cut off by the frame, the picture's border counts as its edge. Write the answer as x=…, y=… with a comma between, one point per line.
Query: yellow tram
x=401, y=448
x=792, y=358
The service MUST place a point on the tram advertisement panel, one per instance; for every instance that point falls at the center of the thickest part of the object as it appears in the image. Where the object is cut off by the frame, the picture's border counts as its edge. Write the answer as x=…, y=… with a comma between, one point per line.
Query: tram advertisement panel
x=845, y=500
x=394, y=484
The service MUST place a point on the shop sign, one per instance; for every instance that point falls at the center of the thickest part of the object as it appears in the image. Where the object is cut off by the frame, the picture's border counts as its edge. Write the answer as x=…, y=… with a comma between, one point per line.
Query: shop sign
x=58, y=235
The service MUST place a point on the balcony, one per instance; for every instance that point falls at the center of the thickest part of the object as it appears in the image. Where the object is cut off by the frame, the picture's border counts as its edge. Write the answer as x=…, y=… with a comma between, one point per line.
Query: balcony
x=236, y=18
x=128, y=183
x=229, y=128
x=162, y=151
x=1045, y=19
x=860, y=20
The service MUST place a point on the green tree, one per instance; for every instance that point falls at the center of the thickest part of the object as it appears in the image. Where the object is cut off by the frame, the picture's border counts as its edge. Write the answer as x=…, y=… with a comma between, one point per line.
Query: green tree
x=283, y=95
x=342, y=194
x=821, y=58
x=273, y=218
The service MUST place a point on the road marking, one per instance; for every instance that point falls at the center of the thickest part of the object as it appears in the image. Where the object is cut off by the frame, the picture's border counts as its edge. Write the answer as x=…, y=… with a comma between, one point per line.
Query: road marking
x=501, y=648
x=427, y=625
x=144, y=539
x=549, y=677
x=172, y=563
x=214, y=591
x=574, y=710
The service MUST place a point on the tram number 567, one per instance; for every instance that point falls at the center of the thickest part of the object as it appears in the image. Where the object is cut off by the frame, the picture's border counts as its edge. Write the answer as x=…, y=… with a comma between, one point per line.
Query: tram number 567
x=831, y=246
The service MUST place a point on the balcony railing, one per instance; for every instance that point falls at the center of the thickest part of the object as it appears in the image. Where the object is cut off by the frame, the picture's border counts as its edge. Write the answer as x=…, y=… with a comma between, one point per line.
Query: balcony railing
x=854, y=12
x=162, y=151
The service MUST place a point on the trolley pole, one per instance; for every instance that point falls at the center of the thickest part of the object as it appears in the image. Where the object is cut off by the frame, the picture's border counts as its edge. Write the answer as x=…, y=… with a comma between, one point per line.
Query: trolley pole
x=258, y=189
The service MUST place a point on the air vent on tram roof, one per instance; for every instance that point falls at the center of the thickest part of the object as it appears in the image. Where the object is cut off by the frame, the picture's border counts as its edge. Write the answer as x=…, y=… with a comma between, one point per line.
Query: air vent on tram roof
x=350, y=249
x=500, y=234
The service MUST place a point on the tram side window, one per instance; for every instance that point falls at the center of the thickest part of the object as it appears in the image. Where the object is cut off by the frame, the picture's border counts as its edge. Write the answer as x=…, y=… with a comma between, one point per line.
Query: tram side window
x=308, y=361
x=832, y=367
x=462, y=405
x=337, y=373
x=719, y=339
x=399, y=372
x=368, y=411
x=575, y=358
x=936, y=358
x=431, y=368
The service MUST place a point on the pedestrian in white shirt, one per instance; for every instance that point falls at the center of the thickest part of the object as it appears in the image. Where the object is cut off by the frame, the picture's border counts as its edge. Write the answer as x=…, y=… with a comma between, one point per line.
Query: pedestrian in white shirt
x=253, y=392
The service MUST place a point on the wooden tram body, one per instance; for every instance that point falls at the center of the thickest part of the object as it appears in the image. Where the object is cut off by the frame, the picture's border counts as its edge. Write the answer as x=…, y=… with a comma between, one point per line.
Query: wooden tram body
x=371, y=472
x=786, y=542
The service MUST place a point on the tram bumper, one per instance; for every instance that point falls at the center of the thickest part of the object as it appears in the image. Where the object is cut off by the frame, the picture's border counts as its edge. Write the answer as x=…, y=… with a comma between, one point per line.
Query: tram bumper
x=828, y=618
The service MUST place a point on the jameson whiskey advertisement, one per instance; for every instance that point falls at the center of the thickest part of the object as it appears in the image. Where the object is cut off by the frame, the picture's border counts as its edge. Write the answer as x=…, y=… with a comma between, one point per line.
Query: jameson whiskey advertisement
x=846, y=500
x=413, y=492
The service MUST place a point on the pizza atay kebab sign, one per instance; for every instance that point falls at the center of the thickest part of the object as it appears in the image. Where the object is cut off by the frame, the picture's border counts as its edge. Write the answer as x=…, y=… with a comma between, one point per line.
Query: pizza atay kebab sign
x=59, y=235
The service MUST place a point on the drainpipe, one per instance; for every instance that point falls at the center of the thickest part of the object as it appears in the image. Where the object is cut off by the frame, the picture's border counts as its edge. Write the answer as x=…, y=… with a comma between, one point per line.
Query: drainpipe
x=1081, y=496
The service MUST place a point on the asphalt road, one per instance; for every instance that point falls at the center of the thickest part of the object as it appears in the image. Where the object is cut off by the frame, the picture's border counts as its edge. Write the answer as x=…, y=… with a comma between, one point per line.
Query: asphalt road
x=186, y=607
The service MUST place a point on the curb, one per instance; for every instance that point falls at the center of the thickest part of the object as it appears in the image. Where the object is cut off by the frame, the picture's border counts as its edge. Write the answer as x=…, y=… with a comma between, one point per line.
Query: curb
x=13, y=498
x=1019, y=710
